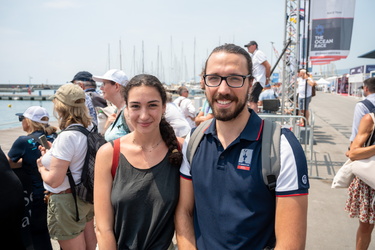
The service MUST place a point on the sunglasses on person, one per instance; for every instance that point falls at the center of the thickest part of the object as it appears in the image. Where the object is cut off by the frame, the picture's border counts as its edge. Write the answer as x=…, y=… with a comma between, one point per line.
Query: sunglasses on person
x=20, y=118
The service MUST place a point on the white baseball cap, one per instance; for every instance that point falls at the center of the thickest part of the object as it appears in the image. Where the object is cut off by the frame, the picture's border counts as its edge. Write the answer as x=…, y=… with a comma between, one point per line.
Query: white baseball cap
x=114, y=75
x=35, y=113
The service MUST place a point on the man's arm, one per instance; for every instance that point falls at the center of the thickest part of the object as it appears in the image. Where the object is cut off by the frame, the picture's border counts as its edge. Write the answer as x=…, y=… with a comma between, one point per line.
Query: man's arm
x=291, y=222
x=268, y=70
x=184, y=216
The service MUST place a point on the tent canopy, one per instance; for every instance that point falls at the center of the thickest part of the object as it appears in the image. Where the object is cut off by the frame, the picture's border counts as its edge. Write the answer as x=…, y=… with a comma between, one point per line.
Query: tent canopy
x=370, y=54
x=322, y=81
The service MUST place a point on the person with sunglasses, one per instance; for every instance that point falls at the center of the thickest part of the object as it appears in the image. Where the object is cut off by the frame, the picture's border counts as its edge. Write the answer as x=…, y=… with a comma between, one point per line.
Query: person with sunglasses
x=22, y=158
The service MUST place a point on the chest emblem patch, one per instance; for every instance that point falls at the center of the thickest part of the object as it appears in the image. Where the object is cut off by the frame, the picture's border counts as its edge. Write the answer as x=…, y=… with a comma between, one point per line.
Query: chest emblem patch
x=244, y=159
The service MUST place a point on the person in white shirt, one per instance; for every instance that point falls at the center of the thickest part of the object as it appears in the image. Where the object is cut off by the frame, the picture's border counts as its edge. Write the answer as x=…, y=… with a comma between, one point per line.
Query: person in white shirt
x=186, y=105
x=261, y=73
x=304, y=94
x=176, y=119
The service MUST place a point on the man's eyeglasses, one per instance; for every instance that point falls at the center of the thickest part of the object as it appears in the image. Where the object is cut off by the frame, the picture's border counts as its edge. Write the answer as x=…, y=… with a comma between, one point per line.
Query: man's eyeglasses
x=233, y=81
x=20, y=118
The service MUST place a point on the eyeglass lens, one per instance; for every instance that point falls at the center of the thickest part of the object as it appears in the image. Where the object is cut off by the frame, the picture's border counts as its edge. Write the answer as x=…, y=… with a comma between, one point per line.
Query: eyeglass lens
x=233, y=81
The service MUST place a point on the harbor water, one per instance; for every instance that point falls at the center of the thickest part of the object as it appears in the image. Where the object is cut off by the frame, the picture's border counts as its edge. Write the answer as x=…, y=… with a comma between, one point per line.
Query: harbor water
x=8, y=109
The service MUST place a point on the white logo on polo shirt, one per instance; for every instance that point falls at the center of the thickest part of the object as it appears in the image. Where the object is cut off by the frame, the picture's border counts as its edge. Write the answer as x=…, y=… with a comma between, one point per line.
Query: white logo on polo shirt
x=245, y=159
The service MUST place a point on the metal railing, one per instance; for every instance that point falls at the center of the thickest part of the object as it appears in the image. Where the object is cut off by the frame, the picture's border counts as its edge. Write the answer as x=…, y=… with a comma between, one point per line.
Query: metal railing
x=292, y=122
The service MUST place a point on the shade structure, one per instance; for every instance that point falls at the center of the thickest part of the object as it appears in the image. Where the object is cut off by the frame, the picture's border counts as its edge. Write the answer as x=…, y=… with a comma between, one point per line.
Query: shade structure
x=370, y=54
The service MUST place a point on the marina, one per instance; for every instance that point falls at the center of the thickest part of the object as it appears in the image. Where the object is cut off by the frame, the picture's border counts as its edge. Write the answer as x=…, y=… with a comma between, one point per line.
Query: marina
x=24, y=97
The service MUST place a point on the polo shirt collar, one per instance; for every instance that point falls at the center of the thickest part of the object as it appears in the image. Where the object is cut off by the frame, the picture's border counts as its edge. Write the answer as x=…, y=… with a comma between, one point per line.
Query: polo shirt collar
x=251, y=132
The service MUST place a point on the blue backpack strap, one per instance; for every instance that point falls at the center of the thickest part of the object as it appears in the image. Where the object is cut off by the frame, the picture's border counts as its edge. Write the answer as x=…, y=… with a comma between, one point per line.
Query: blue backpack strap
x=368, y=104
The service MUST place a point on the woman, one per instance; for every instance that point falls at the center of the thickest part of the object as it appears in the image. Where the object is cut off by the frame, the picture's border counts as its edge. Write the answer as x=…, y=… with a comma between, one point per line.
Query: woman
x=135, y=208
x=361, y=196
x=24, y=154
x=114, y=82
x=68, y=151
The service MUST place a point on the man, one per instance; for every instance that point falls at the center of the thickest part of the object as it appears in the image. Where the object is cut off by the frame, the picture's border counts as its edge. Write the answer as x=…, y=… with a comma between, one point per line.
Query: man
x=267, y=93
x=363, y=107
x=186, y=105
x=93, y=98
x=261, y=73
x=223, y=203
x=305, y=84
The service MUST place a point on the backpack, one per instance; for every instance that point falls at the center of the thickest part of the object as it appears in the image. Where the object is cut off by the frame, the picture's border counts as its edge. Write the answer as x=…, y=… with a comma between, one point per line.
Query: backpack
x=85, y=189
x=270, y=149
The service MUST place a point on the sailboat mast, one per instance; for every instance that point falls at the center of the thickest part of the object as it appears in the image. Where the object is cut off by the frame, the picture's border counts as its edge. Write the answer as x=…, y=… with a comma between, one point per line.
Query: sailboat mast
x=120, y=56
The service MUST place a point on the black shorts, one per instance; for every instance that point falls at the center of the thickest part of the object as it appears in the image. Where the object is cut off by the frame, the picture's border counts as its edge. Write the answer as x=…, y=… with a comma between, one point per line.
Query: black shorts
x=255, y=91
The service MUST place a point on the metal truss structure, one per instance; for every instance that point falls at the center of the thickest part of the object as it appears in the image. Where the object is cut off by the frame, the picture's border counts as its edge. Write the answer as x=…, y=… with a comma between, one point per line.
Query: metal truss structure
x=290, y=57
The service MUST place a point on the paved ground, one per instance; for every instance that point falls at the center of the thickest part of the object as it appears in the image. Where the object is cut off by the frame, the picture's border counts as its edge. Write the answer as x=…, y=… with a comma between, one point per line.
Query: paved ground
x=328, y=224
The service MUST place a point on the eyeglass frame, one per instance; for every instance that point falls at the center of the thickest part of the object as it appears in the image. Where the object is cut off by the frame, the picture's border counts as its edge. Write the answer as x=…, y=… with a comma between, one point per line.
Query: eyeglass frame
x=225, y=78
x=20, y=118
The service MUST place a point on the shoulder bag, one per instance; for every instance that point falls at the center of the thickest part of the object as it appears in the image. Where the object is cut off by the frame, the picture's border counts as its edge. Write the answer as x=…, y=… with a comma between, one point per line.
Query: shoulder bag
x=365, y=169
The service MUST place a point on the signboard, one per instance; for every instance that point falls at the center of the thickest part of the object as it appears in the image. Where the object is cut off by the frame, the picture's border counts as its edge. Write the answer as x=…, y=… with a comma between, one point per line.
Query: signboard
x=331, y=30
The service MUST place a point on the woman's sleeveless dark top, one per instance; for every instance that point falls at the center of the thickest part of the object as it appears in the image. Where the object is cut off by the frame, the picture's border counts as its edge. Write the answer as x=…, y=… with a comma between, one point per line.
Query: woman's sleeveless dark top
x=144, y=202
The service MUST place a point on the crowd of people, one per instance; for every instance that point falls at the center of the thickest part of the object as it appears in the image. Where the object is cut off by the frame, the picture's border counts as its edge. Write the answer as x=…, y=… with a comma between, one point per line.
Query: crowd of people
x=146, y=189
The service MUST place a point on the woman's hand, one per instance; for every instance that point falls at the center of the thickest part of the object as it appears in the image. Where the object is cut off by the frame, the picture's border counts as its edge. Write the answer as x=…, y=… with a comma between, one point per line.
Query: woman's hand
x=43, y=150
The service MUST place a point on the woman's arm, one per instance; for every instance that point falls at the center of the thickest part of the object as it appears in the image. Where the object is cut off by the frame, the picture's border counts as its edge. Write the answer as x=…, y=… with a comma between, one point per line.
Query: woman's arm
x=357, y=151
x=104, y=214
x=55, y=176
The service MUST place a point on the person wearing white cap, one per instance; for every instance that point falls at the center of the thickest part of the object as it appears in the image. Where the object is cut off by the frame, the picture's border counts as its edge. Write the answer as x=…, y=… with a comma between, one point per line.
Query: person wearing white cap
x=22, y=157
x=114, y=82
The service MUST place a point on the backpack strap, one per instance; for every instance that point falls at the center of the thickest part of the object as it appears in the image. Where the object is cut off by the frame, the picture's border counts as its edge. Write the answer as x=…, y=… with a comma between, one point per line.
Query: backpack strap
x=195, y=139
x=74, y=193
x=116, y=155
x=79, y=128
x=69, y=173
x=368, y=104
x=271, y=153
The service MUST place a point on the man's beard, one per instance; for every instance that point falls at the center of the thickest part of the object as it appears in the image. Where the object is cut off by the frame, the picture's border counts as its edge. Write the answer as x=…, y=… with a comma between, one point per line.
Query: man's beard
x=225, y=114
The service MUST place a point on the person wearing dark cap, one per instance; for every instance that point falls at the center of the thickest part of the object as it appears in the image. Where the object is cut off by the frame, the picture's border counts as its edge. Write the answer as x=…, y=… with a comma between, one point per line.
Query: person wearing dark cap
x=93, y=98
x=261, y=73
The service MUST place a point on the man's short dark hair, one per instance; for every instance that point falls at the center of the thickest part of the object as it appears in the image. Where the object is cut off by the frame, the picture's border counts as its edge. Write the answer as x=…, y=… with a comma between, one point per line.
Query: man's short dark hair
x=370, y=84
x=234, y=49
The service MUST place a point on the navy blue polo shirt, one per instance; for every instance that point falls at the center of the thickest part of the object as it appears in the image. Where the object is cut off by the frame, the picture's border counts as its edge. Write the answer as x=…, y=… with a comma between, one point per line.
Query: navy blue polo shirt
x=26, y=148
x=233, y=207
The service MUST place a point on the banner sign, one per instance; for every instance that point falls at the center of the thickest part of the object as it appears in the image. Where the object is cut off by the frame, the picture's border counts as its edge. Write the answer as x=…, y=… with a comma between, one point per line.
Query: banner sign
x=369, y=68
x=356, y=70
x=331, y=30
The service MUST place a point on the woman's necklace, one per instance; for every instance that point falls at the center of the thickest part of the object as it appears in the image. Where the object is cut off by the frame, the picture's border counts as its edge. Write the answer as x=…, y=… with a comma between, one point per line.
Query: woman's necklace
x=148, y=149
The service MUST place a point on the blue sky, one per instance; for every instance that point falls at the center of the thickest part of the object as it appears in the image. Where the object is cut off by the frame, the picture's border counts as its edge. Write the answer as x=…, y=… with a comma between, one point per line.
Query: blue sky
x=50, y=41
